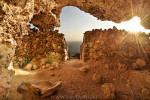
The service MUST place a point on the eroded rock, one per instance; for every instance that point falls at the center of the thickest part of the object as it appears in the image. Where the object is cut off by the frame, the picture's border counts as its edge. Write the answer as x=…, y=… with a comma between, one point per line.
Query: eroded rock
x=109, y=91
x=45, y=88
x=97, y=78
x=145, y=91
x=114, y=49
x=84, y=69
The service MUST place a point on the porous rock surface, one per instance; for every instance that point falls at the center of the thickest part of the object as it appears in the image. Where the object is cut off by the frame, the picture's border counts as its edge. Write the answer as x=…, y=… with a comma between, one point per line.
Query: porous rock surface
x=15, y=14
x=117, y=49
x=38, y=48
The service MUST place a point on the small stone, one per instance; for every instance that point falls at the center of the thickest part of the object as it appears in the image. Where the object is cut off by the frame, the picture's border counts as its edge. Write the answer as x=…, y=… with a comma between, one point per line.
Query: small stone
x=134, y=66
x=43, y=66
x=35, y=67
x=145, y=91
x=51, y=68
x=29, y=66
x=106, y=66
x=83, y=69
x=42, y=61
x=140, y=63
x=97, y=78
x=108, y=90
x=122, y=67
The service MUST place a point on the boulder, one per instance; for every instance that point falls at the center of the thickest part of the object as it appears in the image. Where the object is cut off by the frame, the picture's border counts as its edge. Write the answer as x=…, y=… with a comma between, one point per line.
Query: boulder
x=45, y=88
x=97, y=78
x=108, y=90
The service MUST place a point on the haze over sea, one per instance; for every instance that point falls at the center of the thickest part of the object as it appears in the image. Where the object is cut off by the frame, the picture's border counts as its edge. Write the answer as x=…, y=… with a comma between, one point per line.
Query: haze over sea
x=74, y=46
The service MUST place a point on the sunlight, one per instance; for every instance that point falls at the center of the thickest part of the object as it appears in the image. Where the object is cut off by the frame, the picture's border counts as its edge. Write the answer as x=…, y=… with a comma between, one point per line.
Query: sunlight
x=19, y=71
x=133, y=25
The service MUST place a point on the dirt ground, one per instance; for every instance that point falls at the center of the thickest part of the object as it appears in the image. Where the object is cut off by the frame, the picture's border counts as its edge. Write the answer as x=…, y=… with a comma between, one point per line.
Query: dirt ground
x=77, y=85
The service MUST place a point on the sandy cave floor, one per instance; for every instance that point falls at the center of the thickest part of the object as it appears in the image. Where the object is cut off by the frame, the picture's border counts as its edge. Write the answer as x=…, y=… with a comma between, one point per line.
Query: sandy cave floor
x=77, y=84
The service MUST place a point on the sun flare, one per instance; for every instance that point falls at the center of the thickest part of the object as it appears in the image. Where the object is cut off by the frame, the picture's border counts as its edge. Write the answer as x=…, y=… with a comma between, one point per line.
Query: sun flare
x=133, y=25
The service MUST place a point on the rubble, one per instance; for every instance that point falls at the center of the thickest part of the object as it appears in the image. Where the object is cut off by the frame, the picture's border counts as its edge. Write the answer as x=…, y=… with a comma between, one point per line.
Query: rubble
x=40, y=48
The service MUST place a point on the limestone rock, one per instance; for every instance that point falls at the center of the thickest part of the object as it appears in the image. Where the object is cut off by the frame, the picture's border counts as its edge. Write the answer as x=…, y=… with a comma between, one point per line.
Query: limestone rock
x=37, y=48
x=122, y=67
x=45, y=88
x=109, y=91
x=97, y=78
x=145, y=91
x=51, y=68
x=35, y=67
x=110, y=51
x=28, y=66
x=141, y=63
x=83, y=69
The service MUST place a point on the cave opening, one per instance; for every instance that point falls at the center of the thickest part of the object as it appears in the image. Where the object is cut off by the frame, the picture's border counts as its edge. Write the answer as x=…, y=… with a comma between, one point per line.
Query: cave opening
x=75, y=22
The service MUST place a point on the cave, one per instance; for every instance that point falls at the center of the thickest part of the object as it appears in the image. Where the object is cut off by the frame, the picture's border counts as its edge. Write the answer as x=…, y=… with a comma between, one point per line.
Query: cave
x=114, y=62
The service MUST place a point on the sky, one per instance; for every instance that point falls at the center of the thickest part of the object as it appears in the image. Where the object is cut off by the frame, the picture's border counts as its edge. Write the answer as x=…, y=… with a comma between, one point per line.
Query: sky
x=74, y=22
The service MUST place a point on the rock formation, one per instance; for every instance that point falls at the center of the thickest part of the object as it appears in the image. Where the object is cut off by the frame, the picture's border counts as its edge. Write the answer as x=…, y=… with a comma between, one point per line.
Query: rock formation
x=37, y=45
x=44, y=14
x=116, y=48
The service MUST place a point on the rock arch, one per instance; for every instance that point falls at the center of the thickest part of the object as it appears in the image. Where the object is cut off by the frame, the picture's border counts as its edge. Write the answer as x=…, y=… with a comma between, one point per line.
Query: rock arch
x=15, y=14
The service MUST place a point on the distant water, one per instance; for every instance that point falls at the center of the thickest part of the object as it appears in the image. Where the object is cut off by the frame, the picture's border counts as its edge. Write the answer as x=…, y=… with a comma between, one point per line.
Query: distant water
x=74, y=47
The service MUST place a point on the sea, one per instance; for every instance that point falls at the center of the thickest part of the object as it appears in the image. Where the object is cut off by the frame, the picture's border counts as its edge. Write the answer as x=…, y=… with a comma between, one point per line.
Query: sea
x=74, y=47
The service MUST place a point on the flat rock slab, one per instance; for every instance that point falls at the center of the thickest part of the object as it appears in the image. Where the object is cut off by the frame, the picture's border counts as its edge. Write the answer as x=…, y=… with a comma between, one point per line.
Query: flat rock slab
x=45, y=88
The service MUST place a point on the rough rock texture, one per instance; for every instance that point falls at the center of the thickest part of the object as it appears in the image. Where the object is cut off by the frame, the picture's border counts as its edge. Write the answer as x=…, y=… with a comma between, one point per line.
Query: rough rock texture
x=116, y=48
x=15, y=14
x=39, y=48
x=45, y=88
x=109, y=91
x=97, y=78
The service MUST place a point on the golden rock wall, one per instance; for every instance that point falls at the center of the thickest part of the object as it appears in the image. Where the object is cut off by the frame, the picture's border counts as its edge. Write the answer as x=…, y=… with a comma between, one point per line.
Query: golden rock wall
x=115, y=46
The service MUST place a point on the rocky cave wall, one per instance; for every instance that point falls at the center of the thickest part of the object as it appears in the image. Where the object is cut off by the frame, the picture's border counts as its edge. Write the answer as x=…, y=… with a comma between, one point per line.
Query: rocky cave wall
x=116, y=47
x=39, y=45
x=15, y=14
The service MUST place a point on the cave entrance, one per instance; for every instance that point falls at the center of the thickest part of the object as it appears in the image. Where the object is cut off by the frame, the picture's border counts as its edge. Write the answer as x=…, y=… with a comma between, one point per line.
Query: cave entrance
x=74, y=22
